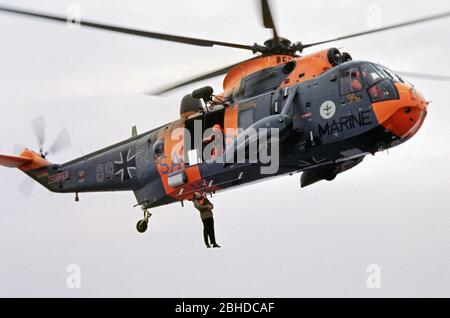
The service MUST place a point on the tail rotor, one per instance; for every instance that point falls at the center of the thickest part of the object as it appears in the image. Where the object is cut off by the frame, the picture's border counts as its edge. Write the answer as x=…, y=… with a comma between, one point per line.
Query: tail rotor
x=62, y=140
x=60, y=143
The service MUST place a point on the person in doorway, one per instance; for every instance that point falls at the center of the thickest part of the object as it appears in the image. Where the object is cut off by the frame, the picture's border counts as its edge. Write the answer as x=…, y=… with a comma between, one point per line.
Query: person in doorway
x=204, y=206
x=216, y=130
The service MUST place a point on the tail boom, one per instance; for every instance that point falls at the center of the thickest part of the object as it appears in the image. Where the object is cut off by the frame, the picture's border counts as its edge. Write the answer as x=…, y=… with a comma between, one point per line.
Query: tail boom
x=27, y=160
x=14, y=161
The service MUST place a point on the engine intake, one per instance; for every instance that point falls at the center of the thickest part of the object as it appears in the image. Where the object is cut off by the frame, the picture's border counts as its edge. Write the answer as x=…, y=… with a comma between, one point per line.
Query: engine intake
x=190, y=105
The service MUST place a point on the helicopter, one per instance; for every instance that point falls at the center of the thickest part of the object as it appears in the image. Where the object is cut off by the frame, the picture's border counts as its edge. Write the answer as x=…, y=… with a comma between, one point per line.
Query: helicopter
x=318, y=114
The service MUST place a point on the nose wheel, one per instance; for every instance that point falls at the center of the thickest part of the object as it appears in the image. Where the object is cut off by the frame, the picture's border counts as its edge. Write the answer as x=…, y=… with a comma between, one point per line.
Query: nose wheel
x=142, y=225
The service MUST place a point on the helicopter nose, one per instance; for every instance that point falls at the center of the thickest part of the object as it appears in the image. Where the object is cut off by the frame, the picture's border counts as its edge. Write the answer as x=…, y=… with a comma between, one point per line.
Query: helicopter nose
x=402, y=117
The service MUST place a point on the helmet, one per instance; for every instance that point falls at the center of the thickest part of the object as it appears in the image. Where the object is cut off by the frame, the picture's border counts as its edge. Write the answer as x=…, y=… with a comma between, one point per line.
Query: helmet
x=197, y=195
x=217, y=127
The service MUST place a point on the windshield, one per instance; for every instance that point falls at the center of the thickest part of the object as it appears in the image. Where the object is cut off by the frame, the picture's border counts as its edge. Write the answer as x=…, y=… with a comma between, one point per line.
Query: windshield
x=374, y=73
x=394, y=76
x=380, y=82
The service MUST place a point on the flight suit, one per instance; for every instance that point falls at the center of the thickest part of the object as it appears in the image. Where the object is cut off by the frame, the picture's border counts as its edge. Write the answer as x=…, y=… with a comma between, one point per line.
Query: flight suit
x=204, y=206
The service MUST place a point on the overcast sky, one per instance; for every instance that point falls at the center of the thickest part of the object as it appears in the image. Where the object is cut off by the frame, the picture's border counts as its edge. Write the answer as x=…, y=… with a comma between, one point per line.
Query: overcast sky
x=393, y=210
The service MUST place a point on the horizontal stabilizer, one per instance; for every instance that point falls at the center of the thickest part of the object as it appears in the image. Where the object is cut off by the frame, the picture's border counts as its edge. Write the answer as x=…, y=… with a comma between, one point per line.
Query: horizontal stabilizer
x=14, y=161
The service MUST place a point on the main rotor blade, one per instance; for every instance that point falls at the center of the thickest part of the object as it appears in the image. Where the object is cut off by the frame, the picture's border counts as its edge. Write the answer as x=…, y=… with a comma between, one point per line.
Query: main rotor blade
x=432, y=77
x=62, y=142
x=268, y=19
x=118, y=29
x=202, y=77
x=38, y=125
x=386, y=28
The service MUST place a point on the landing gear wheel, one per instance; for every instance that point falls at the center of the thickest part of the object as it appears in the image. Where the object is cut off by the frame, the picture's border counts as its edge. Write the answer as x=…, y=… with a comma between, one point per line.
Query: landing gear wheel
x=142, y=225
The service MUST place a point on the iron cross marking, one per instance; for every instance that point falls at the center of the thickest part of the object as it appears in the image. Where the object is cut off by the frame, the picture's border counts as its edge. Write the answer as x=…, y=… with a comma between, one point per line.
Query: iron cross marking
x=125, y=165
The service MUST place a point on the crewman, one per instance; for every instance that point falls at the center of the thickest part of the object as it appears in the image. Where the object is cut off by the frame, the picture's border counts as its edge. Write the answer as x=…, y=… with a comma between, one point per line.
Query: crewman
x=216, y=129
x=204, y=206
x=356, y=81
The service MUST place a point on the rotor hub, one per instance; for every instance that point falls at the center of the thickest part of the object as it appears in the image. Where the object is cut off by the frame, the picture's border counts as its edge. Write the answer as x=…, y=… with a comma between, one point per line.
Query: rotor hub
x=278, y=46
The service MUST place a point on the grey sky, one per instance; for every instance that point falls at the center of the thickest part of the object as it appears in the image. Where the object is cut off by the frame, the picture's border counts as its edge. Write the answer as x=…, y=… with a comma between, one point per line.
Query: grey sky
x=278, y=240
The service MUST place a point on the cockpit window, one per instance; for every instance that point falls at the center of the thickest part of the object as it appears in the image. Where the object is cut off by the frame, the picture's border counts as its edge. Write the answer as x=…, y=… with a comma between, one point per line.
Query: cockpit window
x=394, y=76
x=381, y=91
x=350, y=81
x=379, y=81
x=374, y=73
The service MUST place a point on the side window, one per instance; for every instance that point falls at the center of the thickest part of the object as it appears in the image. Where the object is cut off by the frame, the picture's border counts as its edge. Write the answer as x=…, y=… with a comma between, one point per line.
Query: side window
x=350, y=81
x=158, y=148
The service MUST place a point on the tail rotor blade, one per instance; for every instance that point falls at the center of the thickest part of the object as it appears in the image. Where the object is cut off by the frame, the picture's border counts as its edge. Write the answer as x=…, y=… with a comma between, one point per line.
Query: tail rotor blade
x=26, y=187
x=62, y=142
x=18, y=148
x=38, y=125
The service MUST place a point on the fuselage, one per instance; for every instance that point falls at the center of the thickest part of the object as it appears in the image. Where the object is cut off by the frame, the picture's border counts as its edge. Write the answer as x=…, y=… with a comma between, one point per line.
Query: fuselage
x=329, y=117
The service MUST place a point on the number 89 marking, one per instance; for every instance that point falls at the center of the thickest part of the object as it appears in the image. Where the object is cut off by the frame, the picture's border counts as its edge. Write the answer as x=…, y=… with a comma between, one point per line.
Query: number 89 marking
x=104, y=170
